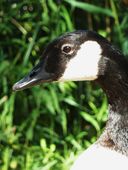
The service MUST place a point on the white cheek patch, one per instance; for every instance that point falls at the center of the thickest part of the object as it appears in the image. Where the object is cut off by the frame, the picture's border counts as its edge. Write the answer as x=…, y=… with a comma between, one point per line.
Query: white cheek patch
x=84, y=66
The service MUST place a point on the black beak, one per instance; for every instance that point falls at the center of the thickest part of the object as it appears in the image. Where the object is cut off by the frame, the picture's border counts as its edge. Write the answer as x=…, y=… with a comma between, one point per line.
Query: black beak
x=37, y=76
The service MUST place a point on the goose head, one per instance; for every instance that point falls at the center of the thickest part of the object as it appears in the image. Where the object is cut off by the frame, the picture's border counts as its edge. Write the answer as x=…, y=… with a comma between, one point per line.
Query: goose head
x=85, y=55
x=80, y=55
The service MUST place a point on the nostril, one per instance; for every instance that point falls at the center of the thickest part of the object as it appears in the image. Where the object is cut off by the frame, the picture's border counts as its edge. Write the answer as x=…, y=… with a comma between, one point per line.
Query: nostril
x=32, y=74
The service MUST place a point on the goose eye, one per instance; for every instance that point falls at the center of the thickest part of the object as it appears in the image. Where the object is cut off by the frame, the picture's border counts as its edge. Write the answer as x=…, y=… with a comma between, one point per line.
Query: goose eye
x=66, y=49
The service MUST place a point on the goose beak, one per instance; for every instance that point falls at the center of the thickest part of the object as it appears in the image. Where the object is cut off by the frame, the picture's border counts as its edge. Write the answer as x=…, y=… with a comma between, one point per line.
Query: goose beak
x=37, y=76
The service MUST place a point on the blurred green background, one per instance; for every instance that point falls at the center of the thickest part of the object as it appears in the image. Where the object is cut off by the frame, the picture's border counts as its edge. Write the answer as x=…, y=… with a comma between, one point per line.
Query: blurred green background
x=47, y=126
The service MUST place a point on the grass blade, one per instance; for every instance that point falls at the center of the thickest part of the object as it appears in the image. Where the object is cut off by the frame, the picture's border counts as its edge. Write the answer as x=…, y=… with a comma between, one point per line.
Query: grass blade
x=90, y=8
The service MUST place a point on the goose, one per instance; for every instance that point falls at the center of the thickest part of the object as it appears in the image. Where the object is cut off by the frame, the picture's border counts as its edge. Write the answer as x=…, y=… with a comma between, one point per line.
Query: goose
x=86, y=55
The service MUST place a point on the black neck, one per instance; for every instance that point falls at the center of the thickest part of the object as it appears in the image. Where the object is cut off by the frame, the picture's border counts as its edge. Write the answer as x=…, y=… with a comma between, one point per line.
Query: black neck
x=116, y=89
x=113, y=78
x=114, y=82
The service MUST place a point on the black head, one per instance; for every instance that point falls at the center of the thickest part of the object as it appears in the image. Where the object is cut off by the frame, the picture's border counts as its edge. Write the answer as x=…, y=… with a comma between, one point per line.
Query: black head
x=73, y=56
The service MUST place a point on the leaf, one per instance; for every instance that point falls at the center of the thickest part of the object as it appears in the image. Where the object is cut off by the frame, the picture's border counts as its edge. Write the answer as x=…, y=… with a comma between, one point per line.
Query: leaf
x=66, y=16
x=101, y=116
x=71, y=102
x=90, y=8
x=89, y=118
x=30, y=46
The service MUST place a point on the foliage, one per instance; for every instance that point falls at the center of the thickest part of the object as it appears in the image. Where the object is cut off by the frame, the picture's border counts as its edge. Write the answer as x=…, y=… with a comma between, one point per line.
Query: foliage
x=46, y=127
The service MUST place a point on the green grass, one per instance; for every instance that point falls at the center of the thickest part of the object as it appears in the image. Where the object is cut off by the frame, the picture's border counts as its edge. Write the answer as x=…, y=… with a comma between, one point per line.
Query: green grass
x=46, y=127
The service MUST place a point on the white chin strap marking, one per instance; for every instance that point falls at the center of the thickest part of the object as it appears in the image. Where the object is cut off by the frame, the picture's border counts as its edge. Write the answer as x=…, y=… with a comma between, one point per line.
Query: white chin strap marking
x=84, y=66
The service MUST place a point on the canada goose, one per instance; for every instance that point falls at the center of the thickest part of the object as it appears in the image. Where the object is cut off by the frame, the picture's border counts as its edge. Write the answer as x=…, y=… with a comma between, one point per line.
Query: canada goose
x=85, y=55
